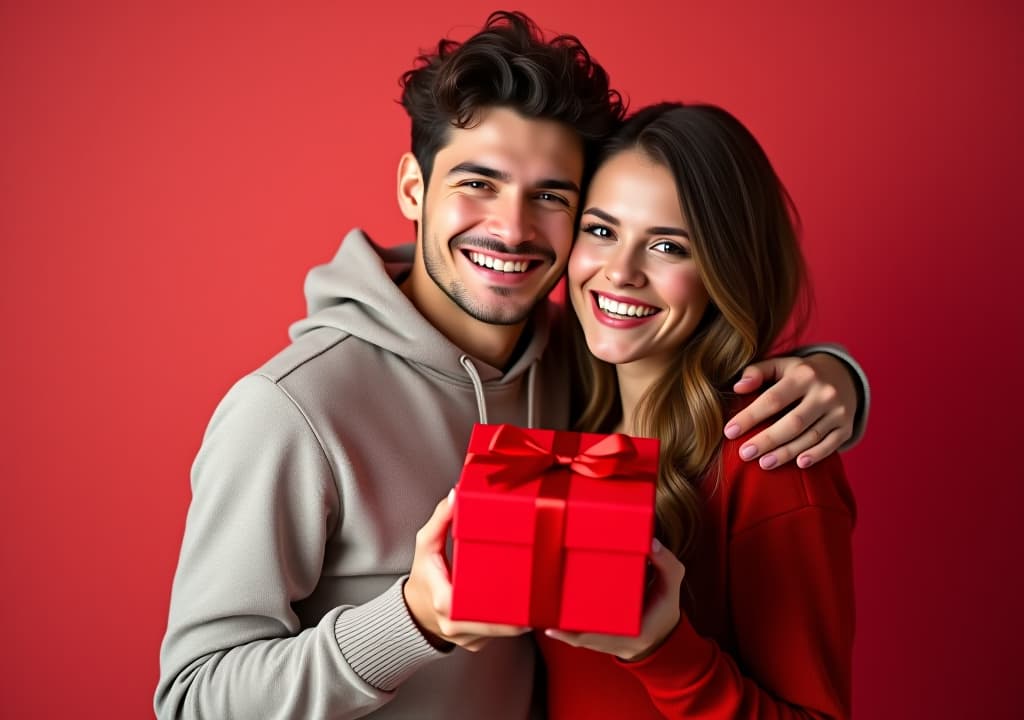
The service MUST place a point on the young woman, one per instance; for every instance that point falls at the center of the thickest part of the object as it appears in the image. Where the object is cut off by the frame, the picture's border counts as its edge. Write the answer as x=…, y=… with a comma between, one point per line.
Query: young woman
x=686, y=269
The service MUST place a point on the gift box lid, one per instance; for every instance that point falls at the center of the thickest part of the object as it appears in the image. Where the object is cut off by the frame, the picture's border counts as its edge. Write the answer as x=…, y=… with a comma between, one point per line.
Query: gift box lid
x=509, y=471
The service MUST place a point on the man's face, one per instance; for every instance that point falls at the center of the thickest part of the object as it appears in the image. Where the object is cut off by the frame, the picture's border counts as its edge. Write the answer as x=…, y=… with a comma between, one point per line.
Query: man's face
x=498, y=217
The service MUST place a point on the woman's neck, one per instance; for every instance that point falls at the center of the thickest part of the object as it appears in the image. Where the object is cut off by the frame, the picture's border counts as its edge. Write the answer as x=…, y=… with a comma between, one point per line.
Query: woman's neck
x=635, y=379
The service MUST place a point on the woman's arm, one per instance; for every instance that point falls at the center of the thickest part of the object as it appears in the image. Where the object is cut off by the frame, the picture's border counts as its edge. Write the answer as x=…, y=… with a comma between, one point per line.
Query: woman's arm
x=790, y=578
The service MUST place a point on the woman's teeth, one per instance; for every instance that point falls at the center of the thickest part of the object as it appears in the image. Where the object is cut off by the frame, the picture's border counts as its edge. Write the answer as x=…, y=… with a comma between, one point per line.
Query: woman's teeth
x=612, y=307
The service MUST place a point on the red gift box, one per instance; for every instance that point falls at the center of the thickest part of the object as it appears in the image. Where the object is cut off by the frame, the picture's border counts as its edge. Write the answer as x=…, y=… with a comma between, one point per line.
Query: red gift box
x=552, y=529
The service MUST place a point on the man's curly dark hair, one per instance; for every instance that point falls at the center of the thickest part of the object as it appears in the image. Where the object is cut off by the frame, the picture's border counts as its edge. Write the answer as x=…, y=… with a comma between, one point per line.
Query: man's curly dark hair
x=508, y=64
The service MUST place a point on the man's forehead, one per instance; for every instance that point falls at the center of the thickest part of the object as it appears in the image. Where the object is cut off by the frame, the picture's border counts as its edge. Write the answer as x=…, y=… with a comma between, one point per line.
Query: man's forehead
x=514, y=146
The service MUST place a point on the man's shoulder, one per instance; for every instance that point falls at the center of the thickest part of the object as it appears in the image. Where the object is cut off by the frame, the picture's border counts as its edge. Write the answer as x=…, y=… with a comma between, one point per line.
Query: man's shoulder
x=300, y=352
x=323, y=351
x=328, y=368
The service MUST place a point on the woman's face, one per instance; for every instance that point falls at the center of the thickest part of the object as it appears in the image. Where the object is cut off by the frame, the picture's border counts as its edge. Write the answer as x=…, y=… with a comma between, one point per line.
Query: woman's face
x=632, y=280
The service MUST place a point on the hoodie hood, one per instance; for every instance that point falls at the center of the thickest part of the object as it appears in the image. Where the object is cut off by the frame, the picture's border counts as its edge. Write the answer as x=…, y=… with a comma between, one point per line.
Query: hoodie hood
x=357, y=293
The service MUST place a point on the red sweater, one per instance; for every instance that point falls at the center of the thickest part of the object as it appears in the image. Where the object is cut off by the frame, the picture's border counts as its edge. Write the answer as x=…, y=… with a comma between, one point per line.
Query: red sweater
x=767, y=623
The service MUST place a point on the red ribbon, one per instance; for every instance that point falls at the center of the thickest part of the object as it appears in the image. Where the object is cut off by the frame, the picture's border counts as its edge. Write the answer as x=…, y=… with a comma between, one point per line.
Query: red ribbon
x=519, y=458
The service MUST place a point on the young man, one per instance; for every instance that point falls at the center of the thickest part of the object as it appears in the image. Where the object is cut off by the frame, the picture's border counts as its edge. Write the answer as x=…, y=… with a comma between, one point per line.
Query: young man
x=294, y=596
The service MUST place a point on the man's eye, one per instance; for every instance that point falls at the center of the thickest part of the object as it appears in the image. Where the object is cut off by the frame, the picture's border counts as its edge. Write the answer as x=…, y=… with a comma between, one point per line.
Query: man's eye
x=475, y=184
x=552, y=197
x=670, y=248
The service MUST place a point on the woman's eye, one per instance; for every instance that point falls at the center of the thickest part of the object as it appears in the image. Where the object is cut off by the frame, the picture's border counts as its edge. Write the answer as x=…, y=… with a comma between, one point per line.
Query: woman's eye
x=671, y=248
x=599, y=231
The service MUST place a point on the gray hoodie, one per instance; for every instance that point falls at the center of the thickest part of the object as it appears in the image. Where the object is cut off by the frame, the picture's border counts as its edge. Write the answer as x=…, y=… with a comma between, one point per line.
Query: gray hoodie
x=312, y=479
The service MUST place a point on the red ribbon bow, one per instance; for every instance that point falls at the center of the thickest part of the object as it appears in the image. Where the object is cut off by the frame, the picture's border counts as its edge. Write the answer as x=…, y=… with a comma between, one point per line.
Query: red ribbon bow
x=517, y=457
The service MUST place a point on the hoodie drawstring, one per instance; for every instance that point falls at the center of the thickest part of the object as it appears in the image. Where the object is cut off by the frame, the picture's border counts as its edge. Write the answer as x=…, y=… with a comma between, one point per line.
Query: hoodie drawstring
x=529, y=394
x=478, y=389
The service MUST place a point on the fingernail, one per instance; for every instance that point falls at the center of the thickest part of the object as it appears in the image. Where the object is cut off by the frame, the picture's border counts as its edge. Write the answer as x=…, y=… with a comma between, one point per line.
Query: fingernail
x=804, y=462
x=732, y=431
x=655, y=545
x=769, y=461
x=744, y=379
x=451, y=496
x=748, y=451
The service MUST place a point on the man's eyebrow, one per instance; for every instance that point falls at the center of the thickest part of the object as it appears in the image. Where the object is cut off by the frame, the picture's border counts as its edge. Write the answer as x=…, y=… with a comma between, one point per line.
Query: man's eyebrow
x=654, y=230
x=553, y=184
x=470, y=168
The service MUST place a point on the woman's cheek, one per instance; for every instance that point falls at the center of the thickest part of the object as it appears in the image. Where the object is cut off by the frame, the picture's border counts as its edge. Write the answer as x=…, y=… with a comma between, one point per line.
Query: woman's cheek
x=578, y=274
x=685, y=286
x=582, y=263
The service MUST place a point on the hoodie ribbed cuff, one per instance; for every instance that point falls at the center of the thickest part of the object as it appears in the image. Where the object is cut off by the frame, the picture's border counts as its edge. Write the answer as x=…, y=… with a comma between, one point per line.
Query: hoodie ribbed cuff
x=860, y=419
x=380, y=641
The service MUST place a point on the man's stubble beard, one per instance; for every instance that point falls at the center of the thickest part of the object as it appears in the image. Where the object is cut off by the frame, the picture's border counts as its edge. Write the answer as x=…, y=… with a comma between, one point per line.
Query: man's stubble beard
x=458, y=294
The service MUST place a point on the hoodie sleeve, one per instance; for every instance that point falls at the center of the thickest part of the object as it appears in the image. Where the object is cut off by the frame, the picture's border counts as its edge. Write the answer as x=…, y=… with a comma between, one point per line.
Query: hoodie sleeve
x=860, y=380
x=263, y=502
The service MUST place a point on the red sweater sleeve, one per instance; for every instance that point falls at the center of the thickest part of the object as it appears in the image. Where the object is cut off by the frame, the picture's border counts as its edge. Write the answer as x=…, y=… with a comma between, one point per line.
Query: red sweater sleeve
x=790, y=576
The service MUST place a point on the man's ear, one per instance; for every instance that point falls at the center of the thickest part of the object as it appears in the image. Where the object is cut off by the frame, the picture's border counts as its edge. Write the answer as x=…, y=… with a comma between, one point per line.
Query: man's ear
x=410, y=187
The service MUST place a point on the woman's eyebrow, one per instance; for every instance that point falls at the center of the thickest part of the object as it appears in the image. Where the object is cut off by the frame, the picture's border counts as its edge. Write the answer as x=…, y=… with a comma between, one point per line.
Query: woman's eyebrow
x=610, y=219
x=666, y=230
x=654, y=230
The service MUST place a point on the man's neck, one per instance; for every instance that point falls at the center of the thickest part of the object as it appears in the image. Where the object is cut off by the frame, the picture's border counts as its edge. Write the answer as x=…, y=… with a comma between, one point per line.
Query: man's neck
x=496, y=345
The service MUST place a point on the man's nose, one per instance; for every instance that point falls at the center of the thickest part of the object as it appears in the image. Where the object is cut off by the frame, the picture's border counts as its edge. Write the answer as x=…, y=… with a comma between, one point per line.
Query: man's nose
x=510, y=219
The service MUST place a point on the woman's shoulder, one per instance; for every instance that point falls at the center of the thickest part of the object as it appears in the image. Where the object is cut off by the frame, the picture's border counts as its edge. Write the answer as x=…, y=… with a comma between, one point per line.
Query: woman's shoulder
x=755, y=495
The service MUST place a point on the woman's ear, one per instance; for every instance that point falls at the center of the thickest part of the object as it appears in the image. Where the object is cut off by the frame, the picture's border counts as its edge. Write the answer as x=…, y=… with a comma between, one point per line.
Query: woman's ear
x=410, y=187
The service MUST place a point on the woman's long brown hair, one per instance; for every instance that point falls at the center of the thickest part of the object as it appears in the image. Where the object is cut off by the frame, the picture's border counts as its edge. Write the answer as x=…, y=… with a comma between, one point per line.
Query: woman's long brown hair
x=743, y=238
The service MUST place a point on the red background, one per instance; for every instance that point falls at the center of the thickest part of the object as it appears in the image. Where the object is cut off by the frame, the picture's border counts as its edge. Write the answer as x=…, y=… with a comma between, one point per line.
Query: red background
x=168, y=174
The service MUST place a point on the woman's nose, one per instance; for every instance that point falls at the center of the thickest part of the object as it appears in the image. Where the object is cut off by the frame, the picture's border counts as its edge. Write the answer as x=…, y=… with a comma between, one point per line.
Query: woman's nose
x=623, y=268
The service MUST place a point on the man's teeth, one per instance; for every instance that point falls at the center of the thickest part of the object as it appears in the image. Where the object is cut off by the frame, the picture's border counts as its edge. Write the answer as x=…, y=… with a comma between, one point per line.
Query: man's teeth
x=500, y=265
x=622, y=309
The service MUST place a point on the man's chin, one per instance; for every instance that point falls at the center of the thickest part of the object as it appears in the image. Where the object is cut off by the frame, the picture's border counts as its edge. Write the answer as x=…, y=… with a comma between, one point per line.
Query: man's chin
x=500, y=305
x=493, y=304
x=502, y=316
